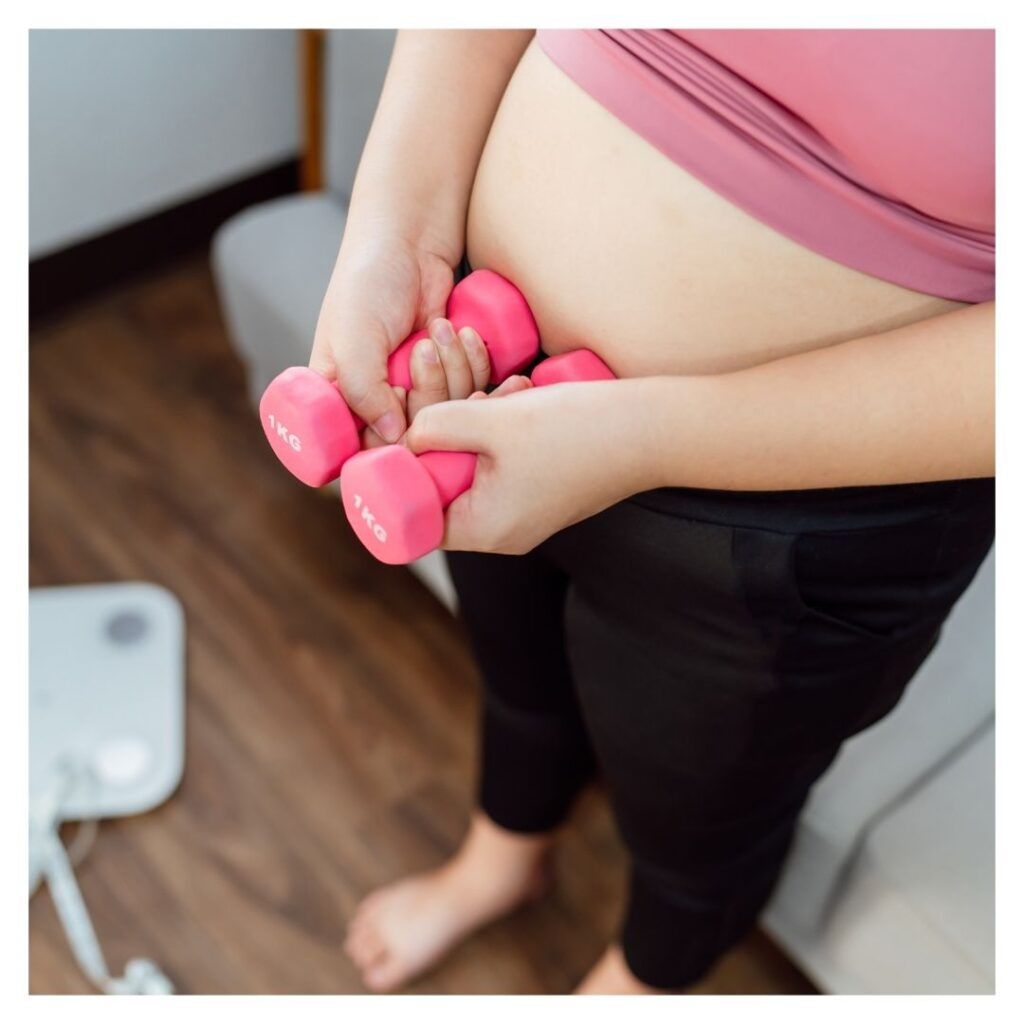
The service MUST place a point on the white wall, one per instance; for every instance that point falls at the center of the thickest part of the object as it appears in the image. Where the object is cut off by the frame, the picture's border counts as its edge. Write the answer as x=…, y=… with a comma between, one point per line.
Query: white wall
x=357, y=60
x=123, y=123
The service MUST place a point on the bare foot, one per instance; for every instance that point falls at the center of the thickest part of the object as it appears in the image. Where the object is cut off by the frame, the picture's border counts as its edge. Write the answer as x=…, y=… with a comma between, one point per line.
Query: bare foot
x=403, y=929
x=611, y=976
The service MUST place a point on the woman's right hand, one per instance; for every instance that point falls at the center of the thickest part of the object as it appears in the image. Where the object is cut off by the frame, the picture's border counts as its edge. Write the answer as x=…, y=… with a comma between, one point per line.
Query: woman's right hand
x=406, y=223
x=380, y=292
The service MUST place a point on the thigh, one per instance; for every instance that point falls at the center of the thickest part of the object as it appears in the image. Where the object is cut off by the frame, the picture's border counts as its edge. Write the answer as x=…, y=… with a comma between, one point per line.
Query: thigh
x=535, y=753
x=514, y=610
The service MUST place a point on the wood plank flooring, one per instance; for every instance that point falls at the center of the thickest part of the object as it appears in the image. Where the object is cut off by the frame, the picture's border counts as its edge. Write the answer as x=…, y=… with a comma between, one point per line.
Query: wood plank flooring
x=331, y=700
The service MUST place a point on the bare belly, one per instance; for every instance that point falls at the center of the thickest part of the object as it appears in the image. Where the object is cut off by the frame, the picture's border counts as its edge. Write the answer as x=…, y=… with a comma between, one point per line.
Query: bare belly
x=620, y=250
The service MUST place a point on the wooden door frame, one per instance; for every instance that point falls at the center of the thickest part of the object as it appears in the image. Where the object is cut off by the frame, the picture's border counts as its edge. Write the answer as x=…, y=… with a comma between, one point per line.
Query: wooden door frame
x=311, y=108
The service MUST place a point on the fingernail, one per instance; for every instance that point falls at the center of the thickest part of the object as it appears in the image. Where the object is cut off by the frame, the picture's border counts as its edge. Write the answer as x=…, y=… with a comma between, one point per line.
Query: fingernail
x=470, y=338
x=441, y=331
x=389, y=427
x=427, y=351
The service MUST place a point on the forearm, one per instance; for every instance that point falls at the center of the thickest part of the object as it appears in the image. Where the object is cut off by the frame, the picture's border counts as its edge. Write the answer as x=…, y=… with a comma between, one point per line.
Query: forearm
x=913, y=404
x=439, y=99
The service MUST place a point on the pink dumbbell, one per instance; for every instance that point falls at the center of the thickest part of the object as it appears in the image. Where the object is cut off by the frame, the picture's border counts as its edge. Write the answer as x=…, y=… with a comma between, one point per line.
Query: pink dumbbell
x=310, y=426
x=395, y=500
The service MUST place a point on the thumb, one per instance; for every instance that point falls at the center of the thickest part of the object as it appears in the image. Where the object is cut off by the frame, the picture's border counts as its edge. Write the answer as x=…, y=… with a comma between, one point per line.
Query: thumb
x=362, y=378
x=371, y=439
x=457, y=426
x=374, y=401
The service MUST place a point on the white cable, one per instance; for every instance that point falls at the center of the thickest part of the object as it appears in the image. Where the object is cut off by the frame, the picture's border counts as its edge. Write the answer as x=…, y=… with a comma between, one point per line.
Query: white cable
x=50, y=860
x=82, y=841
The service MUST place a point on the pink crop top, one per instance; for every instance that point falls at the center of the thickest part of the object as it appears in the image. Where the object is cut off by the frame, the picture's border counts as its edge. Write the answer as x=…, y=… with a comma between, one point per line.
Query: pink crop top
x=875, y=148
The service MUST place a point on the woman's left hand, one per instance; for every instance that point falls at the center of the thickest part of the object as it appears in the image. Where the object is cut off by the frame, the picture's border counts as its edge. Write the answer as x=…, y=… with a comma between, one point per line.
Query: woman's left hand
x=547, y=458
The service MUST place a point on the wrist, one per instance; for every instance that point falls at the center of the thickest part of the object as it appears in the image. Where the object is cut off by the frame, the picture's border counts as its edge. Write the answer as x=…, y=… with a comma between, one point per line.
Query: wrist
x=649, y=432
x=663, y=417
x=631, y=441
x=374, y=221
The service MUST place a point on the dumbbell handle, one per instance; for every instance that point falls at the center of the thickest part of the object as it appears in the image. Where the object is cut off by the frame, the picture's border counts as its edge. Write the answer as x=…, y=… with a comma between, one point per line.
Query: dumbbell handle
x=473, y=302
x=314, y=432
x=452, y=472
x=400, y=361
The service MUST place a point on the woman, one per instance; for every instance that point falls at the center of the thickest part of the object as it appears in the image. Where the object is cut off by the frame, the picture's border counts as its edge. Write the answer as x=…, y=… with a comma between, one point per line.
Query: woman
x=737, y=555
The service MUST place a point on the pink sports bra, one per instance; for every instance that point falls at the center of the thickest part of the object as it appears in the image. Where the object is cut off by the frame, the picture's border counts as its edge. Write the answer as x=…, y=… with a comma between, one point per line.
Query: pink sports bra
x=875, y=148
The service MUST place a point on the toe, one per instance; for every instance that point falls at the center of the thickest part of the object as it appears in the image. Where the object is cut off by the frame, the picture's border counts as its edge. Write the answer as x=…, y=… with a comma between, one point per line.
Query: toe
x=360, y=956
x=384, y=976
x=364, y=914
x=355, y=928
x=364, y=946
x=370, y=902
x=372, y=948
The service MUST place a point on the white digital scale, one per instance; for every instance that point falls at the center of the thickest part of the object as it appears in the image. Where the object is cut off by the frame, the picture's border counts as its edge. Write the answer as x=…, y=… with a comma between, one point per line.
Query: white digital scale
x=106, y=736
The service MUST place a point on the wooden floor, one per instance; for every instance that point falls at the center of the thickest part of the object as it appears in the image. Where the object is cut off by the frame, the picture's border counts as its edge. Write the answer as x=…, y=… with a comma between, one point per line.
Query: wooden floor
x=331, y=700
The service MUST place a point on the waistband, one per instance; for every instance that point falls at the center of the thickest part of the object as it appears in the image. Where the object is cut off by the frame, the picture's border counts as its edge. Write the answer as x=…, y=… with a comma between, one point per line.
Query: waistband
x=828, y=508
x=832, y=508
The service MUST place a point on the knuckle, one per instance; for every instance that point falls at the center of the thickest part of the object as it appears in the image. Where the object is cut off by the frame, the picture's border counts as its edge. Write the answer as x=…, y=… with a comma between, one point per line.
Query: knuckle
x=428, y=419
x=430, y=369
x=453, y=362
x=479, y=358
x=436, y=387
x=323, y=363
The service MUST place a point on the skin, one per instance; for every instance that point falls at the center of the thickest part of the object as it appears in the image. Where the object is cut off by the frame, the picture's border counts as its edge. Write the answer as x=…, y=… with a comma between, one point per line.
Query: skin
x=620, y=250
x=405, y=231
x=912, y=404
x=746, y=362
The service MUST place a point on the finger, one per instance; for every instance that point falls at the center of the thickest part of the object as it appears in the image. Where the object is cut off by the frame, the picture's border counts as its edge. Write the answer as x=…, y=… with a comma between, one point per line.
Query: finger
x=451, y=426
x=511, y=385
x=429, y=381
x=453, y=359
x=371, y=439
x=321, y=359
x=363, y=383
x=460, y=524
x=477, y=357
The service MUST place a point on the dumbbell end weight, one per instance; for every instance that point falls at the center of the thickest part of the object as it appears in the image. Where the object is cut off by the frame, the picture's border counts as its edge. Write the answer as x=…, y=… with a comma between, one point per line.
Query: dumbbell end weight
x=500, y=314
x=308, y=424
x=577, y=366
x=395, y=501
x=496, y=310
x=310, y=427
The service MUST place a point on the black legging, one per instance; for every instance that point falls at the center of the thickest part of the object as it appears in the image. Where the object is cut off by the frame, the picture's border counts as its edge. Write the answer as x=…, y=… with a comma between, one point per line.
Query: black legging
x=708, y=652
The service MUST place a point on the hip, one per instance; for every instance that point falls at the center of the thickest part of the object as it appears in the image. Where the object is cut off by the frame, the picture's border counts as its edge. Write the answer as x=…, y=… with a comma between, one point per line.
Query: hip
x=857, y=572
